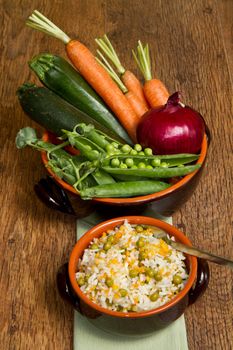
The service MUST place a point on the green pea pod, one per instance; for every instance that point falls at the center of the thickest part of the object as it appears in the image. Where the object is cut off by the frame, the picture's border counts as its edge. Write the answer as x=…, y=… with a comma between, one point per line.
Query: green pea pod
x=86, y=147
x=101, y=177
x=171, y=160
x=153, y=173
x=61, y=160
x=68, y=175
x=97, y=136
x=128, y=178
x=181, y=161
x=70, y=179
x=124, y=189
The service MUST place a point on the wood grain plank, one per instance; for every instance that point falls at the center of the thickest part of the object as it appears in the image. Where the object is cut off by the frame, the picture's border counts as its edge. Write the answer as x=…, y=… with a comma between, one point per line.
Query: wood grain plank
x=187, y=47
x=207, y=217
x=225, y=16
x=34, y=241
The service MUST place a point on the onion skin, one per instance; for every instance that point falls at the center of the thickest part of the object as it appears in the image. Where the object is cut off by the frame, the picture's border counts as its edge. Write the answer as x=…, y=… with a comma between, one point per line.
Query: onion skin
x=172, y=129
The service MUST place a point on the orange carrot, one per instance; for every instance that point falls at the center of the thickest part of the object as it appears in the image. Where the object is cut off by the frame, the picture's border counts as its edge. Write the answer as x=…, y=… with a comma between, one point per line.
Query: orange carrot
x=129, y=79
x=154, y=90
x=139, y=107
x=133, y=84
x=91, y=70
x=99, y=79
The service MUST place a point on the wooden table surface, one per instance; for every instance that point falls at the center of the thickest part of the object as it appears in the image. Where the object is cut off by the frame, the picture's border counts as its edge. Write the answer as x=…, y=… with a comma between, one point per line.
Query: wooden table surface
x=191, y=51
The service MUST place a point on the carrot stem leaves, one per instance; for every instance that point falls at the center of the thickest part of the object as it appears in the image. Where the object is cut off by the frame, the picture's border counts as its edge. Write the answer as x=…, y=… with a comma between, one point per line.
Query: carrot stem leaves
x=105, y=44
x=41, y=23
x=142, y=59
x=106, y=65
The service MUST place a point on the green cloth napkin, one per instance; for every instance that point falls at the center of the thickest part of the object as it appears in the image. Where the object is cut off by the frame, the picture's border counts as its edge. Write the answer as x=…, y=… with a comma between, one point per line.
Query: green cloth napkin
x=88, y=337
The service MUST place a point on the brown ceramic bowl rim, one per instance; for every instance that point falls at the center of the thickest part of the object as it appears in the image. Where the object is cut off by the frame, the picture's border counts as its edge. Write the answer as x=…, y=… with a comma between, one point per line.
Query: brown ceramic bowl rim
x=97, y=231
x=133, y=200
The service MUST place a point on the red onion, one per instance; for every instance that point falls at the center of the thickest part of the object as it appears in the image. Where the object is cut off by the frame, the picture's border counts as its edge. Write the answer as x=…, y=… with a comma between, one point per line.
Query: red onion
x=172, y=128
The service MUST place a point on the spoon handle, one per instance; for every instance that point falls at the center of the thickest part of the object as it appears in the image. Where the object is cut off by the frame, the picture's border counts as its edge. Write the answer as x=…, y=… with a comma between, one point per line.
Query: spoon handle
x=201, y=254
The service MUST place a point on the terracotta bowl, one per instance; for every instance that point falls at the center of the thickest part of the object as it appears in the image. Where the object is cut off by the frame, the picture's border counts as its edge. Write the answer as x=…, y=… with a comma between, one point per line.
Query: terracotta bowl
x=165, y=202
x=132, y=323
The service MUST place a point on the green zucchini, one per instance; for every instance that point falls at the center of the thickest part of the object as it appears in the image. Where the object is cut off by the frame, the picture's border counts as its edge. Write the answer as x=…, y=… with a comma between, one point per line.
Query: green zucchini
x=60, y=77
x=52, y=112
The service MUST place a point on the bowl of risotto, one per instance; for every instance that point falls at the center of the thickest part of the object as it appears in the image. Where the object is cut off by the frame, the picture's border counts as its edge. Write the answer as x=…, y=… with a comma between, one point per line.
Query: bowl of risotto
x=126, y=278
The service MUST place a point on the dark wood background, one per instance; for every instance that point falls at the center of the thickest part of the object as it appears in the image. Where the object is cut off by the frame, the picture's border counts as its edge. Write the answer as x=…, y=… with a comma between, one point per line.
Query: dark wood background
x=192, y=50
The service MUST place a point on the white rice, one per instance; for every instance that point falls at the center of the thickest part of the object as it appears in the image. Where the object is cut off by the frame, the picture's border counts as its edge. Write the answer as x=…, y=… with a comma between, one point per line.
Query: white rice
x=102, y=274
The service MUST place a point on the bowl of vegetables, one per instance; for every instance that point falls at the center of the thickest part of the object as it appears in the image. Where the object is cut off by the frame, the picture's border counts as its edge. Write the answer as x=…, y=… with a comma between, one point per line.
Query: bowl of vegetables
x=125, y=276
x=109, y=138
x=171, y=191
x=96, y=165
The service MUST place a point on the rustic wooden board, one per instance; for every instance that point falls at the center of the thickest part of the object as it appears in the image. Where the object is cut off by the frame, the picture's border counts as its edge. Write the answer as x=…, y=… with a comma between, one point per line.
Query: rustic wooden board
x=191, y=50
x=225, y=12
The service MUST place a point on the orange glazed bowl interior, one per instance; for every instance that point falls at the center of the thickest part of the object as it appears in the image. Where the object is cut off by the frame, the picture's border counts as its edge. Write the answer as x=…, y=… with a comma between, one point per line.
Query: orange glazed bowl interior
x=97, y=231
x=132, y=200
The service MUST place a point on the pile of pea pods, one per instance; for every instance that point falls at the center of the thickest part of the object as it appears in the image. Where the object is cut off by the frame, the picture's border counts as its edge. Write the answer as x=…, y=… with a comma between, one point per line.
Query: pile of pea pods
x=107, y=167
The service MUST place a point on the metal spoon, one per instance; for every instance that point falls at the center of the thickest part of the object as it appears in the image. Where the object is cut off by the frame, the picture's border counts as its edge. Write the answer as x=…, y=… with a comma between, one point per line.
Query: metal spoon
x=195, y=251
x=201, y=254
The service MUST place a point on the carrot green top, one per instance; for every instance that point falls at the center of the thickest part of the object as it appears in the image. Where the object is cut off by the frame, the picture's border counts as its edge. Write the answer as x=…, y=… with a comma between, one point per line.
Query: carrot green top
x=142, y=58
x=43, y=24
x=105, y=44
